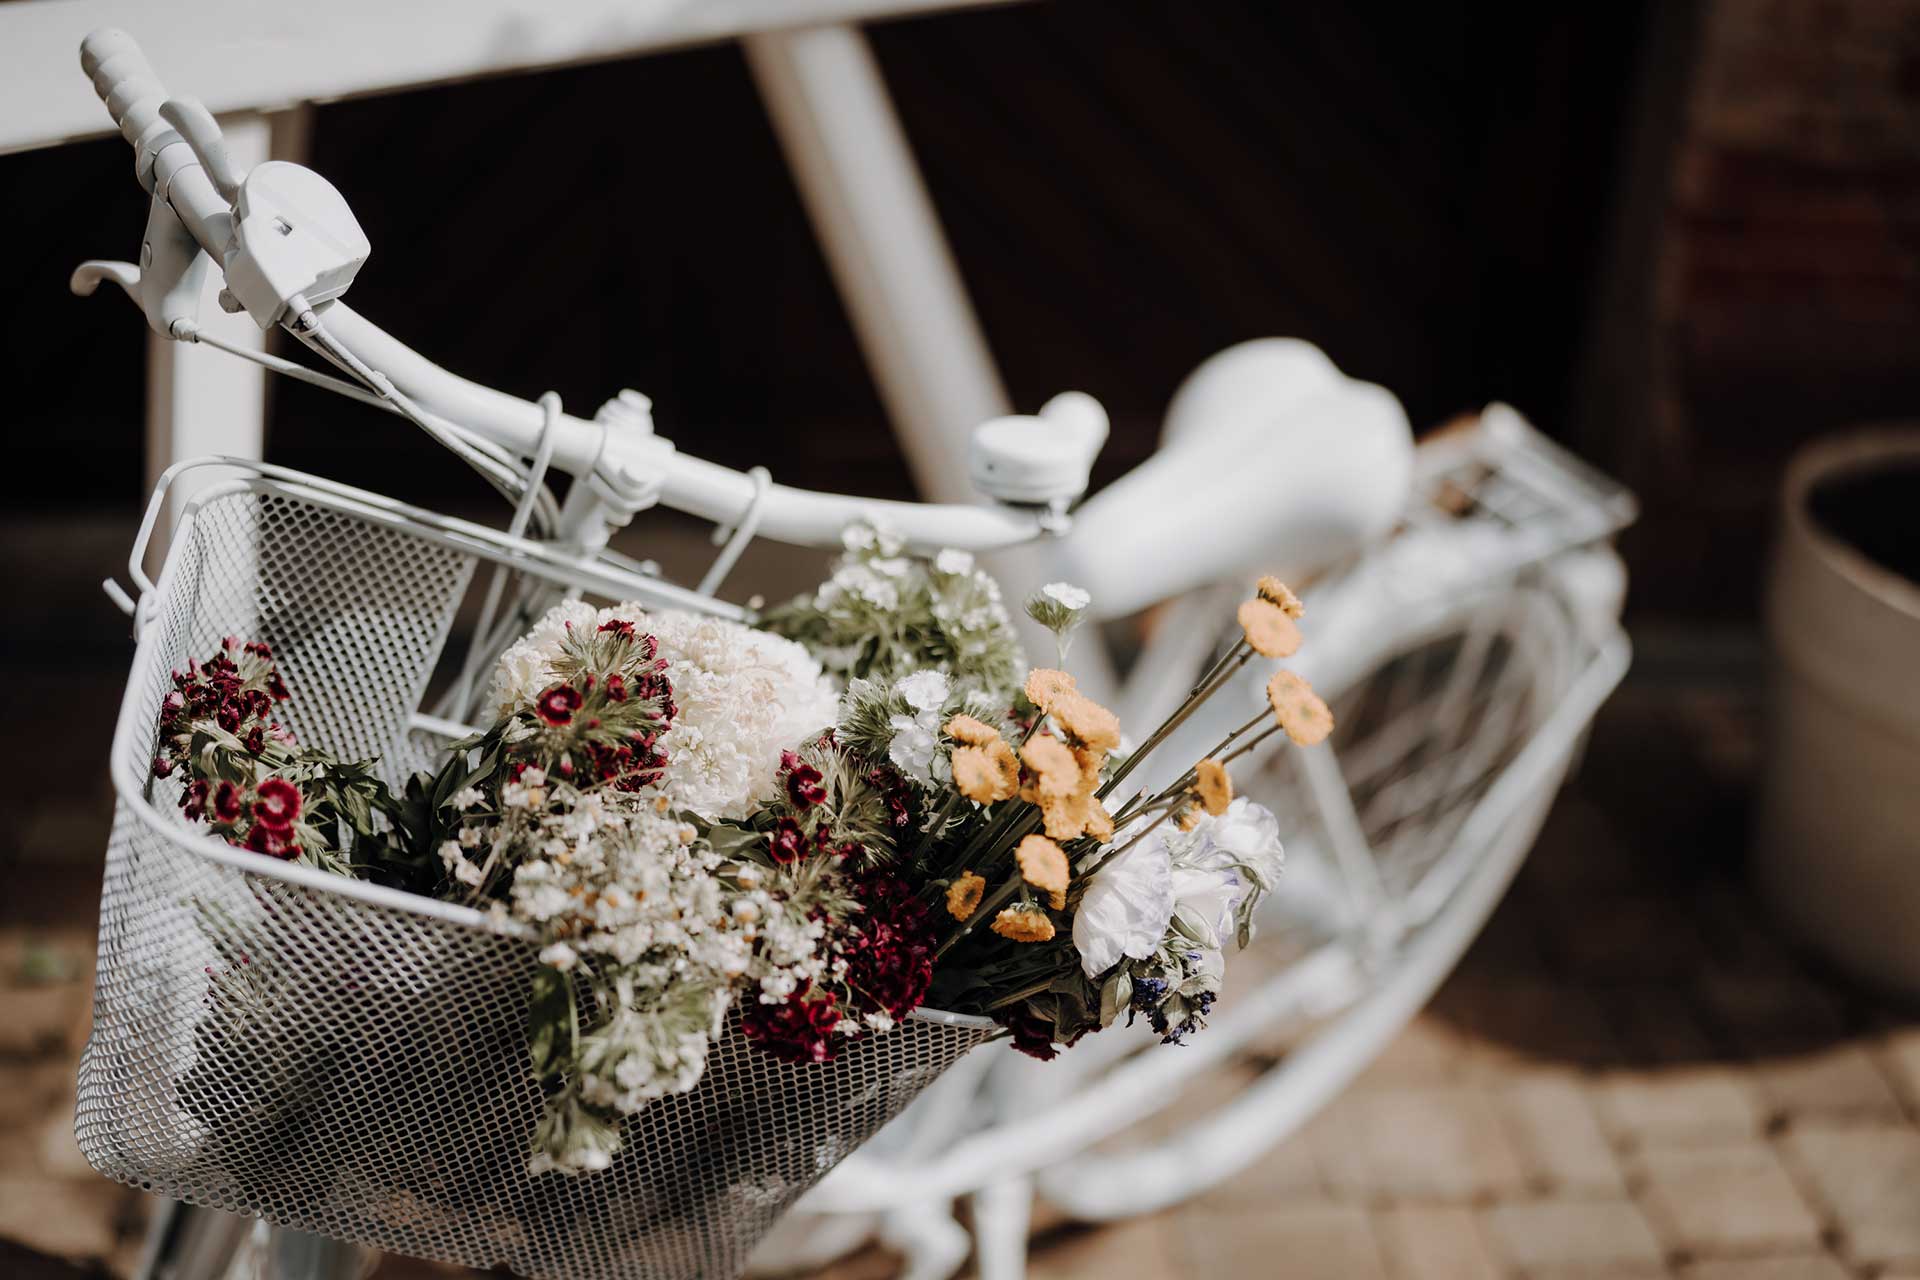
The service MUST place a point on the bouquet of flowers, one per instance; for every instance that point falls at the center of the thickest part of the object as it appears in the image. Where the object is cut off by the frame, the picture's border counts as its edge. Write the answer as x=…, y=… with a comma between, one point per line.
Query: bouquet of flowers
x=803, y=830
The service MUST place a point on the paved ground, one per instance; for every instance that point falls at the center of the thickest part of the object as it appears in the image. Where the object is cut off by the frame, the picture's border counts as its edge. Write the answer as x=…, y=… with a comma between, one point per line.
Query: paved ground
x=1631, y=1075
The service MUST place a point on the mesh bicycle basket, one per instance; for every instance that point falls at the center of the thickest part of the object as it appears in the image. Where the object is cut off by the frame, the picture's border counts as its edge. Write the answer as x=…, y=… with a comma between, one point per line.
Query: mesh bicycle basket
x=349, y=1060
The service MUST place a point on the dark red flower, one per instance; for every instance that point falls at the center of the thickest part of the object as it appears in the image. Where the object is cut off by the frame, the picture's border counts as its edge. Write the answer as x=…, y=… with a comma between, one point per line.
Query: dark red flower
x=229, y=716
x=275, y=844
x=619, y=627
x=823, y=841
x=616, y=688
x=888, y=946
x=557, y=705
x=899, y=795
x=226, y=803
x=162, y=766
x=803, y=782
x=256, y=739
x=800, y=1029
x=194, y=802
x=277, y=687
x=1032, y=1035
x=786, y=843
x=276, y=805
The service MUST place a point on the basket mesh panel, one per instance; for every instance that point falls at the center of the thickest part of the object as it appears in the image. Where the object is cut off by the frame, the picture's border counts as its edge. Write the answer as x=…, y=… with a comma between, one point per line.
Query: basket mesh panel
x=359, y=1071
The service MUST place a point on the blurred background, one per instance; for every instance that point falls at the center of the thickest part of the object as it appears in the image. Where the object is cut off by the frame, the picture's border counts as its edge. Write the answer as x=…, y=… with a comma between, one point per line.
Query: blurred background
x=1682, y=238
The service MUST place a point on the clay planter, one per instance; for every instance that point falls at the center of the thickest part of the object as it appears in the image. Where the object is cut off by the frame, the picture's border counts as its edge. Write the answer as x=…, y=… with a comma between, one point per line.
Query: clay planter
x=1838, y=832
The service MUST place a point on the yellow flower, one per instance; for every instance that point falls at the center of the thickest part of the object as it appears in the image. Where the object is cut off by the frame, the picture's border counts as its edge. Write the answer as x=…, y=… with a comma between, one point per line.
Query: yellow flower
x=964, y=894
x=974, y=733
x=1023, y=924
x=981, y=773
x=1045, y=686
x=1065, y=817
x=1099, y=821
x=1299, y=709
x=1007, y=763
x=1188, y=818
x=1268, y=629
x=1087, y=722
x=1276, y=592
x=1213, y=785
x=1056, y=772
x=1044, y=866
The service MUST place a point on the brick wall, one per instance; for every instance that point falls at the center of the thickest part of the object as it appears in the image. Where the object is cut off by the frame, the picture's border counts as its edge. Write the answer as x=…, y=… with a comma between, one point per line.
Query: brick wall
x=1784, y=286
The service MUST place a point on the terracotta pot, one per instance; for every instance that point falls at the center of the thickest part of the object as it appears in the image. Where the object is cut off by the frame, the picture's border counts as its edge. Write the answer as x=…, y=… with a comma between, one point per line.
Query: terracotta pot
x=1838, y=835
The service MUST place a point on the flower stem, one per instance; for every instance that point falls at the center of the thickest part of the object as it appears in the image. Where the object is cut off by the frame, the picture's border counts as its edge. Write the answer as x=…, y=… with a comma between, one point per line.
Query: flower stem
x=936, y=826
x=1186, y=779
x=1222, y=672
x=1038, y=988
x=1165, y=813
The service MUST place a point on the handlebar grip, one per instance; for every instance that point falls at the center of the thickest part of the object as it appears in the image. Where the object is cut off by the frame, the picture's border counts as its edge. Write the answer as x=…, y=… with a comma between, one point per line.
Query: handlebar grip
x=120, y=74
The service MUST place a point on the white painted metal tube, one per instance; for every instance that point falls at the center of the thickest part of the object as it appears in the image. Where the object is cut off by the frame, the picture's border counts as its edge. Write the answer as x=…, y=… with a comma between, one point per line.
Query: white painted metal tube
x=854, y=167
x=688, y=484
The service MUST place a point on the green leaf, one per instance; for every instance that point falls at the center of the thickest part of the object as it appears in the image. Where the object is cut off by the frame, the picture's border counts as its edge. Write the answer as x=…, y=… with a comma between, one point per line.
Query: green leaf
x=1115, y=995
x=553, y=1025
x=359, y=813
x=730, y=841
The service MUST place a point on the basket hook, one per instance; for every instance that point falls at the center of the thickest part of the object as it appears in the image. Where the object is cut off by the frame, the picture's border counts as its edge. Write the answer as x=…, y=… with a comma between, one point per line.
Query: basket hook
x=737, y=539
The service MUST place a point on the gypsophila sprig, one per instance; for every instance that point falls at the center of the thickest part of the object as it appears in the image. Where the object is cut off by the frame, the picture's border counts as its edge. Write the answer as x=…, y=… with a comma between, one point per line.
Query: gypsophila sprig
x=884, y=615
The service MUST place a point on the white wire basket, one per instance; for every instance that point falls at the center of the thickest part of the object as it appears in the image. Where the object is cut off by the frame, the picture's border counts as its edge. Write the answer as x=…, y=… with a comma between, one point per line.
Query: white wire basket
x=349, y=1060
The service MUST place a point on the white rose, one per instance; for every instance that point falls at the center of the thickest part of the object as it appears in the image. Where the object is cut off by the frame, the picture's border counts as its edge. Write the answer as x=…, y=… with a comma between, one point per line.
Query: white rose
x=1126, y=908
x=1209, y=897
x=1250, y=833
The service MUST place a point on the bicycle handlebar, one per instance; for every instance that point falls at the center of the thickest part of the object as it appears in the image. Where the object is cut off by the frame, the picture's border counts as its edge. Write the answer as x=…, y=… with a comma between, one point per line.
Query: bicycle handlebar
x=124, y=81
x=1317, y=495
x=171, y=167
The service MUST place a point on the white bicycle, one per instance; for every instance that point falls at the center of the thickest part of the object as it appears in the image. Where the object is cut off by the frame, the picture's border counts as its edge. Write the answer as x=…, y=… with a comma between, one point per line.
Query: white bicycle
x=1464, y=603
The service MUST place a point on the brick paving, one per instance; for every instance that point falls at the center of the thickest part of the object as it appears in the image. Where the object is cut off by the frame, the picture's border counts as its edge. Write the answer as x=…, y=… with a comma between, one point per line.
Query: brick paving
x=1631, y=1074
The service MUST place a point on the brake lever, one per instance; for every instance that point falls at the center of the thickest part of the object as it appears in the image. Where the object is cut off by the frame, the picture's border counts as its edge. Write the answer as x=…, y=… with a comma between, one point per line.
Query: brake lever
x=169, y=282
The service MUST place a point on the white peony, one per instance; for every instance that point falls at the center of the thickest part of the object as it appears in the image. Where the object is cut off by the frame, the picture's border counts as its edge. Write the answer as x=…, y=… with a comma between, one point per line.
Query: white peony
x=1126, y=908
x=744, y=696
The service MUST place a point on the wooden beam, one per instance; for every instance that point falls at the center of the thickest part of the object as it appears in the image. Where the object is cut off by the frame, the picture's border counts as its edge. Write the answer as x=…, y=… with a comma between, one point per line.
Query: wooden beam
x=267, y=55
